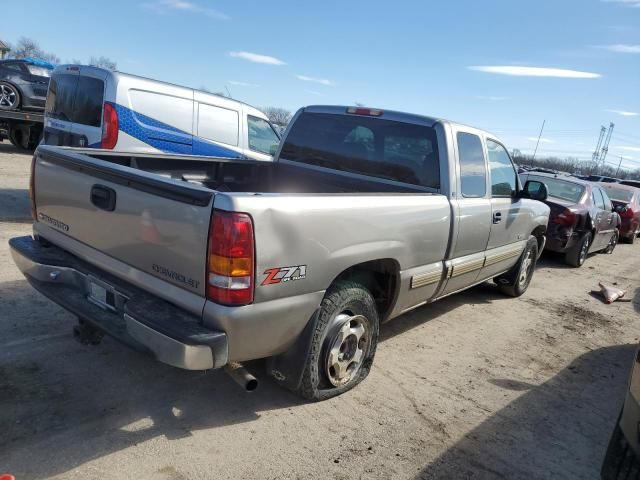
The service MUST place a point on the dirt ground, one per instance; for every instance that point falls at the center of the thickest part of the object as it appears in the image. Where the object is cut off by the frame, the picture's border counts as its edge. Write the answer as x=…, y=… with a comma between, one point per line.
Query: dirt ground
x=474, y=386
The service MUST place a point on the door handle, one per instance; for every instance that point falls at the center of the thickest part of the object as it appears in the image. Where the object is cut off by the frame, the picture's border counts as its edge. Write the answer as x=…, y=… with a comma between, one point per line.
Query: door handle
x=497, y=217
x=103, y=197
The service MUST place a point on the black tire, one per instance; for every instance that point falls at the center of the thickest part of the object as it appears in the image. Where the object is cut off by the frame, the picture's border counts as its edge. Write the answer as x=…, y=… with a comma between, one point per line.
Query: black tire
x=516, y=281
x=613, y=242
x=9, y=97
x=632, y=239
x=356, y=302
x=578, y=254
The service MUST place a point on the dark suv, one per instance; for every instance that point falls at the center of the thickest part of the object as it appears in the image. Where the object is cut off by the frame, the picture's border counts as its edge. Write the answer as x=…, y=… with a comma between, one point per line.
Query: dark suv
x=23, y=84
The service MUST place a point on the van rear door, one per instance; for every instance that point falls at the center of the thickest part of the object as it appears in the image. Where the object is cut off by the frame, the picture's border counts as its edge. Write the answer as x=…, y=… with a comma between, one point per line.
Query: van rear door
x=58, y=118
x=87, y=107
x=73, y=112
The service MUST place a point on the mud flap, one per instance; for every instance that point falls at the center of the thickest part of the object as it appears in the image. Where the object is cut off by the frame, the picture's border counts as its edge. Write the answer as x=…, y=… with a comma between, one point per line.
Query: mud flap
x=288, y=367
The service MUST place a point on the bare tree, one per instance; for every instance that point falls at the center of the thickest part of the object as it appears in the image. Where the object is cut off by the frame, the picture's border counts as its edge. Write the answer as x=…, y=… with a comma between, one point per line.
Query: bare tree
x=277, y=115
x=27, y=47
x=103, y=62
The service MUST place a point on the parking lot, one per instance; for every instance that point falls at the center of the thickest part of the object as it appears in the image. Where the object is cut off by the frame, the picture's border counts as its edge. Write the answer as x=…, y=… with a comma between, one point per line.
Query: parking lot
x=474, y=386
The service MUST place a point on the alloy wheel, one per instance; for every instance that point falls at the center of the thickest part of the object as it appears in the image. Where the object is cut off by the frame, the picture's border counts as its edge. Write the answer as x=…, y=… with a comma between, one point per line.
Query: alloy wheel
x=8, y=96
x=347, y=348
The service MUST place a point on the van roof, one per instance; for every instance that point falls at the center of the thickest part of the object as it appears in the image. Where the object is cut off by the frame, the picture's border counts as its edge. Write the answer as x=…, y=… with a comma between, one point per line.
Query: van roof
x=118, y=72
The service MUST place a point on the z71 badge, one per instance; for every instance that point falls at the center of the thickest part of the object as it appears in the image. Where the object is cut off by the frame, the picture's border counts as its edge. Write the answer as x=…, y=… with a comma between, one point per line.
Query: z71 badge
x=284, y=274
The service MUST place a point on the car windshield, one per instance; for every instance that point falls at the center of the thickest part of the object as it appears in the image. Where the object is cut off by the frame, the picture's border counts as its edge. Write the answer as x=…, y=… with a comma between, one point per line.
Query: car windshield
x=561, y=189
x=38, y=70
x=619, y=194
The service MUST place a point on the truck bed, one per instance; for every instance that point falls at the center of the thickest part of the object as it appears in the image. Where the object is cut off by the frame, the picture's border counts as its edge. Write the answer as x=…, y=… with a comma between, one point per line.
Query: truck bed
x=241, y=175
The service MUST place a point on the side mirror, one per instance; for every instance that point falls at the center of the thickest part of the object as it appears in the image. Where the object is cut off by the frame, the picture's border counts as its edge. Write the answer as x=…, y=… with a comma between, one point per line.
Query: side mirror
x=273, y=149
x=535, y=190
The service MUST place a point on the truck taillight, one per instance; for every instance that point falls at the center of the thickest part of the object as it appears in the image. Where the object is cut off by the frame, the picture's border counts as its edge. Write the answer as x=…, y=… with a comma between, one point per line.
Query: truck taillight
x=109, y=126
x=230, y=262
x=32, y=188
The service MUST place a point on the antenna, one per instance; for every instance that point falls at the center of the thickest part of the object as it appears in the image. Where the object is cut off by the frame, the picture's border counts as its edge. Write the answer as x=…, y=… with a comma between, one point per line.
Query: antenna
x=605, y=146
x=539, y=135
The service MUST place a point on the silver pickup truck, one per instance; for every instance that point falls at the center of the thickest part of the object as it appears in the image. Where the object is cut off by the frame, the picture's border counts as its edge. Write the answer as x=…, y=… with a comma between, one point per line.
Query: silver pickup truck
x=363, y=215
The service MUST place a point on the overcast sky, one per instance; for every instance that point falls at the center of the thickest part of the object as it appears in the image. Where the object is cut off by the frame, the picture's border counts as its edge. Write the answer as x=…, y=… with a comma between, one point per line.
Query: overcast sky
x=503, y=65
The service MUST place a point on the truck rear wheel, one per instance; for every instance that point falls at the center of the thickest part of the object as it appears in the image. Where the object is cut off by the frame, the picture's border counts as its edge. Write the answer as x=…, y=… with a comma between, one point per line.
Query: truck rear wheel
x=343, y=344
x=516, y=281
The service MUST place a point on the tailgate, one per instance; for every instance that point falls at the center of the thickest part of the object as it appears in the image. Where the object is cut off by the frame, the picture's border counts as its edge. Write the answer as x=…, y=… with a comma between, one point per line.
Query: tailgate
x=154, y=224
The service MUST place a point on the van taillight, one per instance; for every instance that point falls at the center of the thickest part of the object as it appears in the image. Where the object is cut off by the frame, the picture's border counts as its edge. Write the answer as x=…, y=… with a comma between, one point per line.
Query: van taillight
x=109, y=126
x=32, y=188
x=230, y=259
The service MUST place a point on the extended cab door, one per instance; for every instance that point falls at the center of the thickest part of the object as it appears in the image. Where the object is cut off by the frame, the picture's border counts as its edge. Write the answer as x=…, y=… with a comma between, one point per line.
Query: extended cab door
x=472, y=212
x=510, y=216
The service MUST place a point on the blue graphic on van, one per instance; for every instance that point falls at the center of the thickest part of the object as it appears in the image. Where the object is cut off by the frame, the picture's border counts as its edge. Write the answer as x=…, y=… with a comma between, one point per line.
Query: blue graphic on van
x=165, y=137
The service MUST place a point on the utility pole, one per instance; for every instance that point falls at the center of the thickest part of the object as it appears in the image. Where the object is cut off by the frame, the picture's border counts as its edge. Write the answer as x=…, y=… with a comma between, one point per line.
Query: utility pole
x=538, y=142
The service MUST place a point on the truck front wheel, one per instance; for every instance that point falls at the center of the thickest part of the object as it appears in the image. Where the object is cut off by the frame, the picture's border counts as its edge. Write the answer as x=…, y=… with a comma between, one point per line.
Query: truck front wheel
x=343, y=344
x=516, y=281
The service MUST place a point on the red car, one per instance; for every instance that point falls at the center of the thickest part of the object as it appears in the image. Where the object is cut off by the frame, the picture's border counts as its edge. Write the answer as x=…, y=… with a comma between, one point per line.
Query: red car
x=626, y=201
x=582, y=219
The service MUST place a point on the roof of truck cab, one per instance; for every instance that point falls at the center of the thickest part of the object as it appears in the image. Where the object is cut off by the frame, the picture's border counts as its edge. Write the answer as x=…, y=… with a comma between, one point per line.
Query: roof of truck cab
x=396, y=115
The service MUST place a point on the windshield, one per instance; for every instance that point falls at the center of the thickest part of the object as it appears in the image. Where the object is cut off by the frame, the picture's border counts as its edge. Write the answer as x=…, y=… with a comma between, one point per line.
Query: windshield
x=619, y=194
x=404, y=152
x=40, y=71
x=262, y=136
x=561, y=189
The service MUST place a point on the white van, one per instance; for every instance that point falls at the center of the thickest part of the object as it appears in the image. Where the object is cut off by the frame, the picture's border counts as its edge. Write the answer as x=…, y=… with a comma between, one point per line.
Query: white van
x=97, y=108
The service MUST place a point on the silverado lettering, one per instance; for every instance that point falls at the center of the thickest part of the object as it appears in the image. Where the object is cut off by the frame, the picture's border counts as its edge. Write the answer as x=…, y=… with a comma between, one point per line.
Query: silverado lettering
x=178, y=277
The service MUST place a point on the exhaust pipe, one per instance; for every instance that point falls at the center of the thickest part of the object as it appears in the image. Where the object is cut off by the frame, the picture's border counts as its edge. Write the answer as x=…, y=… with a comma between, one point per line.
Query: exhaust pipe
x=241, y=376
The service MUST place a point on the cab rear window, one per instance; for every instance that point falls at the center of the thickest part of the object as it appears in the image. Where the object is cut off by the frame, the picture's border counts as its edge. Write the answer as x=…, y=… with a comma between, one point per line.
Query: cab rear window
x=403, y=152
x=76, y=99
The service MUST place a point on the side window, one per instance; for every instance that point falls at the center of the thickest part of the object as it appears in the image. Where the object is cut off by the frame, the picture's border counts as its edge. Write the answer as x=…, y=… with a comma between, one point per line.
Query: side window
x=598, y=200
x=13, y=66
x=262, y=136
x=503, y=175
x=473, y=171
x=218, y=124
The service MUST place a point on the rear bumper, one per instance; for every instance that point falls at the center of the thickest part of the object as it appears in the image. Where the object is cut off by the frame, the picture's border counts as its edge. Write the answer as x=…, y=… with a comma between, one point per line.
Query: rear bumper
x=627, y=228
x=561, y=241
x=136, y=318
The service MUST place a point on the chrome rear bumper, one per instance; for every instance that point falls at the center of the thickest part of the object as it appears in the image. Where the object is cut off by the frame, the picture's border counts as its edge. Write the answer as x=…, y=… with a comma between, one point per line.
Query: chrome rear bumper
x=135, y=317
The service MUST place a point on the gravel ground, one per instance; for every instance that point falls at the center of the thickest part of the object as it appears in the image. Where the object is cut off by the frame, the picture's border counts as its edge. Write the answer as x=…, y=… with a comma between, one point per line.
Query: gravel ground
x=474, y=386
